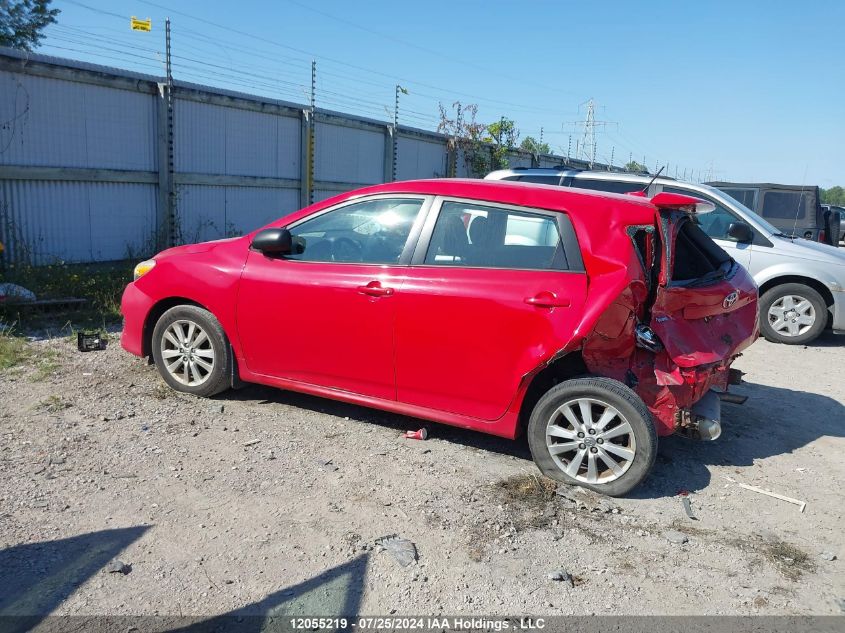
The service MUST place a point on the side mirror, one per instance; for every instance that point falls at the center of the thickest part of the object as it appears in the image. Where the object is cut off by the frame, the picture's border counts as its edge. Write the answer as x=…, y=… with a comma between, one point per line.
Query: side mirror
x=275, y=242
x=740, y=232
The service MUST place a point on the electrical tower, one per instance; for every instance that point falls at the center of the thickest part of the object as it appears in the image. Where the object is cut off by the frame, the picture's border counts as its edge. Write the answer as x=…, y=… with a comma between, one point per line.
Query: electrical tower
x=586, y=149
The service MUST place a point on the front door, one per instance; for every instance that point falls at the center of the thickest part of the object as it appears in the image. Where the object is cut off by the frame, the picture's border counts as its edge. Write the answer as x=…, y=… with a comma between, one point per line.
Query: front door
x=489, y=294
x=325, y=316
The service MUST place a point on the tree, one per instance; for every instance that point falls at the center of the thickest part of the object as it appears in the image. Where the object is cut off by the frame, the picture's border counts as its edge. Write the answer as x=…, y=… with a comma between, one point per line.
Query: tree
x=834, y=196
x=22, y=22
x=635, y=166
x=503, y=135
x=466, y=135
x=530, y=144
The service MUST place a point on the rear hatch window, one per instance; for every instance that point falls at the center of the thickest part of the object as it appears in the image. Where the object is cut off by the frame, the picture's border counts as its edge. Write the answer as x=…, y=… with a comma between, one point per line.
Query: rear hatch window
x=697, y=258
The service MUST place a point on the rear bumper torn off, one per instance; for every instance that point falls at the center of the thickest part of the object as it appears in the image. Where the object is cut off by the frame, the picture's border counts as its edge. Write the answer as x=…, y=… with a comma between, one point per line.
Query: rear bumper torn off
x=704, y=420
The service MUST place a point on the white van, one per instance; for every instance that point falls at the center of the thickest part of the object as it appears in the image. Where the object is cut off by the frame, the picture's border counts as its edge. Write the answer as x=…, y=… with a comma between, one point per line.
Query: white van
x=802, y=283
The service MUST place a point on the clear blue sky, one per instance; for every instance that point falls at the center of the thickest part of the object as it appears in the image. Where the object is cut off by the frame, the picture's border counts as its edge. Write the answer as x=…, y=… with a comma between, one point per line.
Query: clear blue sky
x=752, y=90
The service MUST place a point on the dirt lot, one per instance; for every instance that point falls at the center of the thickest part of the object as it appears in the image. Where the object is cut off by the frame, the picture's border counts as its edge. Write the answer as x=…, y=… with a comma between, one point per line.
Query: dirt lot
x=263, y=500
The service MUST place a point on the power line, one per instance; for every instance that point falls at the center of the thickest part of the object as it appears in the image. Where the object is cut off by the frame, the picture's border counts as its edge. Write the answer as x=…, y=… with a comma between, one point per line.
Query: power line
x=310, y=55
x=437, y=98
x=416, y=46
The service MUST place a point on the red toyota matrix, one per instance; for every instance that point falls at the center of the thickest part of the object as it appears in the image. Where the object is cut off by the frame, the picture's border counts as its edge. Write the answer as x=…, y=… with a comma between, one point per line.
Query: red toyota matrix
x=594, y=322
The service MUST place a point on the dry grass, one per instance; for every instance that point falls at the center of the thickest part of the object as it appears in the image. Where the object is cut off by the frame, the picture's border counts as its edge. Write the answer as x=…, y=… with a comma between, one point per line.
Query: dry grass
x=791, y=561
x=54, y=404
x=46, y=363
x=531, y=489
x=13, y=350
x=161, y=391
x=787, y=558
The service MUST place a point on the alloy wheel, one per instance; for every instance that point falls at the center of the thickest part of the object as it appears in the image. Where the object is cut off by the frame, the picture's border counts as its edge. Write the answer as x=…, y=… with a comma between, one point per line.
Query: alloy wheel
x=590, y=440
x=187, y=353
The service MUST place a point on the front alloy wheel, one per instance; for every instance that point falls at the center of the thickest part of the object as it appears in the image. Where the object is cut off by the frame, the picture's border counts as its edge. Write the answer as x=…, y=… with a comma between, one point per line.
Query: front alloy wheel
x=187, y=353
x=595, y=433
x=191, y=351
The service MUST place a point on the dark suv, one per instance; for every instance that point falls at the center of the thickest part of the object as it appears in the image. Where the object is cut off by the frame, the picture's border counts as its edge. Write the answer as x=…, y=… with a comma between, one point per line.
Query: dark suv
x=794, y=209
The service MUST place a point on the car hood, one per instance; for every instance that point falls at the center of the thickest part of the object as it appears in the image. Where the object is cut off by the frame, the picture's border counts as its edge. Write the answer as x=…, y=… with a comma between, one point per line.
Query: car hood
x=190, y=249
x=807, y=249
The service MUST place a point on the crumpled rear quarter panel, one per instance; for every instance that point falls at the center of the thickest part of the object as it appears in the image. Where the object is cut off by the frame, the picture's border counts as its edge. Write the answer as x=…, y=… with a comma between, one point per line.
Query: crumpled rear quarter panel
x=701, y=339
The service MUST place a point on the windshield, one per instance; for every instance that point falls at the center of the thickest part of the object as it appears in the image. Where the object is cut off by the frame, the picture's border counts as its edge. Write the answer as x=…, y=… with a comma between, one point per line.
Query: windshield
x=729, y=201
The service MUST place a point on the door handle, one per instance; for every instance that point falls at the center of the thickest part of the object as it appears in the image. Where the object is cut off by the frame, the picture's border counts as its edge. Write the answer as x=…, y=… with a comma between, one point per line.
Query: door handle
x=375, y=289
x=547, y=300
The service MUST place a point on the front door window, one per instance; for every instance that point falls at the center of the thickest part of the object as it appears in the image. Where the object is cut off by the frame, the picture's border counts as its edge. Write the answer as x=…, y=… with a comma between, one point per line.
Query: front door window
x=368, y=232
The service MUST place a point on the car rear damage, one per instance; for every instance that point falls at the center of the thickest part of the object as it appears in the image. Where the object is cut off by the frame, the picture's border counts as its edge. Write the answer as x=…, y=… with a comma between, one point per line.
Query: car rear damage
x=673, y=332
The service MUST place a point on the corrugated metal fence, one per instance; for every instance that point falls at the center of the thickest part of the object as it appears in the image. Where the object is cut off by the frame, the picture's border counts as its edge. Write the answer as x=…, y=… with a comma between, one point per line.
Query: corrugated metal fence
x=83, y=155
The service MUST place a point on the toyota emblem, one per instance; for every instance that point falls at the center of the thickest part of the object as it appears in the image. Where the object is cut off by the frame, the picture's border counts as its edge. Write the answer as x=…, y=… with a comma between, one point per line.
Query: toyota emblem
x=730, y=300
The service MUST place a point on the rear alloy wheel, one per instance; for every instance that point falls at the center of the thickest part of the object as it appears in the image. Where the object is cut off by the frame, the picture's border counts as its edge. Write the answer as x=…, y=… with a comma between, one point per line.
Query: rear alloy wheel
x=595, y=433
x=191, y=351
x=794, y=314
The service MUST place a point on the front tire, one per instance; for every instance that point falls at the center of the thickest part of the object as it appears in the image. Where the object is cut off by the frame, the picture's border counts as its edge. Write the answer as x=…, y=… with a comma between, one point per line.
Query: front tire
x=191, y=351
x=793, y=314
x=595, y=433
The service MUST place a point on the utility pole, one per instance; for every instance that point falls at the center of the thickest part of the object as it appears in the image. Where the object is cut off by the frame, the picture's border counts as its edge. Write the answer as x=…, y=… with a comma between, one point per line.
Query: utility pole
x=396, y=129
x=453, y=166
x=569, y=149
x=168, y=97
x=312, y=131
x=612, y=151
x=541, y=137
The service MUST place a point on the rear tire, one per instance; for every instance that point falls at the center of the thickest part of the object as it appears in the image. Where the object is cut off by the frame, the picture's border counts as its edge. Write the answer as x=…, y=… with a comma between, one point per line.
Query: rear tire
x=793, y=314
x=595, y=433
x=191, y=351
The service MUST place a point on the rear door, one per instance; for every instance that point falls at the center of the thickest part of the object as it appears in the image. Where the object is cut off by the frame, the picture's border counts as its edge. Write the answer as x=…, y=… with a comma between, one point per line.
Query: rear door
x=492, y=289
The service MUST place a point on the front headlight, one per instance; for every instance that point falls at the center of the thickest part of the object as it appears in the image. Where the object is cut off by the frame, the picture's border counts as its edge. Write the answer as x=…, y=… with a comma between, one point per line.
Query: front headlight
x=143, y=268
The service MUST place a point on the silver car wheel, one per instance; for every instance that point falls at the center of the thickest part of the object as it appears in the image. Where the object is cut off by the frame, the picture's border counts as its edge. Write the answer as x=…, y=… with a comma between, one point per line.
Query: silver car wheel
x=187, y=353
x=791, y=315
x=590, y=441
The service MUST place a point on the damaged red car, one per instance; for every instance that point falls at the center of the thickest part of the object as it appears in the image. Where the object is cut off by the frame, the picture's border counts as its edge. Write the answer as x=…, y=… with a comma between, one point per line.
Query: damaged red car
x=594, y=322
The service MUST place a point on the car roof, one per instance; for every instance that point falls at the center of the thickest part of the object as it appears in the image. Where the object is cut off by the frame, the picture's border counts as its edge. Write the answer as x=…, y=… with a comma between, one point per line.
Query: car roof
x=622, y=176
x=541, y=196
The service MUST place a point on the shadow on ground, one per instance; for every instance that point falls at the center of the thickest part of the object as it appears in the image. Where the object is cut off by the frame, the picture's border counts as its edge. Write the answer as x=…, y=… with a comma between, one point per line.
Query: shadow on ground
x=400, y=423
x=336, y=593
x=36, y=577
x=773, y=421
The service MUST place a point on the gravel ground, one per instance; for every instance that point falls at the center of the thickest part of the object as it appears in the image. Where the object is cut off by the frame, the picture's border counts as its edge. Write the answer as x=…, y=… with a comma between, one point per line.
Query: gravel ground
x=263, y=500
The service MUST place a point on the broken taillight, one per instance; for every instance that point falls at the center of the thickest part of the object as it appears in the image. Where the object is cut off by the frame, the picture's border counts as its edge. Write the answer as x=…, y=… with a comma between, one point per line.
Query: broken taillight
x=647, y=339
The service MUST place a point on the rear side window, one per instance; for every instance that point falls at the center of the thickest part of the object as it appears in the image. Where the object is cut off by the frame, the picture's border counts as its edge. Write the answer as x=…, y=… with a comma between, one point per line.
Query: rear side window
x=786, y=205
x=610, y=186
x=696, y=255
x=743, y=196
x=644, y=243
x=491, y=237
